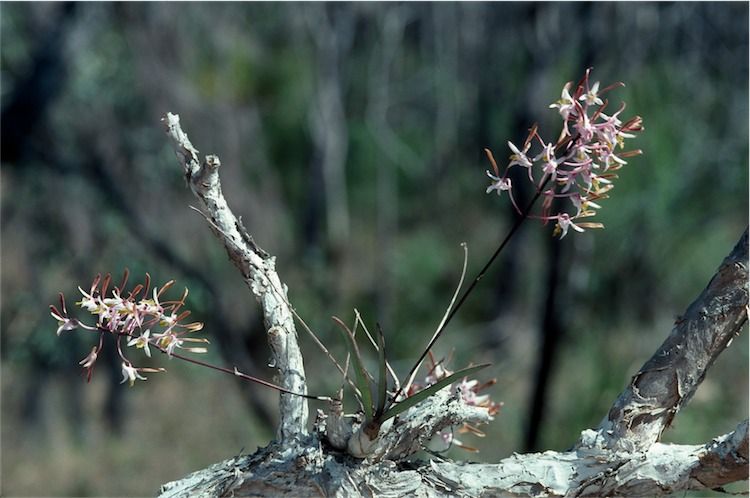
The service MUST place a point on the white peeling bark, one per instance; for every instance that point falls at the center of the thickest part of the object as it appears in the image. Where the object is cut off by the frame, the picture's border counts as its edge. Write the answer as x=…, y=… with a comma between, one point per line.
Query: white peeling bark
x=668, y=380
x=405, y=434
x=259, y=271
x=595, y=471
x=412, y=430
x=587, y=471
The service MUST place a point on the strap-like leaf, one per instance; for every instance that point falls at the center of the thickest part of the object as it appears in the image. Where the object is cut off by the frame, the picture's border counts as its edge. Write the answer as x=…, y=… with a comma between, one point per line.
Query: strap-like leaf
x=413, y=372
x=361, y=373
x=426, y=393
x=358, y=320
x=382, y=375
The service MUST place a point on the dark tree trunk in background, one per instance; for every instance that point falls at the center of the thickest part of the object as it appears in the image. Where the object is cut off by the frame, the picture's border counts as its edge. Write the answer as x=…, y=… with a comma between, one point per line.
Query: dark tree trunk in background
x=552, y=331
x=551, y=336
x=28, y=104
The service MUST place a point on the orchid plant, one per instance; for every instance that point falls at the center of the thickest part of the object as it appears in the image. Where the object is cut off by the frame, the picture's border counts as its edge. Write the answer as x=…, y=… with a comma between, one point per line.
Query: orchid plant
x=578, y=169
x=131, y=317
x=581, y=166
x=142, y=319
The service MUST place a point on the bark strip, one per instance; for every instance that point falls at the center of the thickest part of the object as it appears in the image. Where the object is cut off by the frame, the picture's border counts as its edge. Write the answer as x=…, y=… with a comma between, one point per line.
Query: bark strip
x=668, y=380
x=594, y=472
x=259, y=271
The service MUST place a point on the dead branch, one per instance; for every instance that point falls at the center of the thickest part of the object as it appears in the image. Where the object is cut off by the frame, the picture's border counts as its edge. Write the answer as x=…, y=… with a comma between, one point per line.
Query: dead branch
x=259, y=271
x=668, y=380
x=591, y=471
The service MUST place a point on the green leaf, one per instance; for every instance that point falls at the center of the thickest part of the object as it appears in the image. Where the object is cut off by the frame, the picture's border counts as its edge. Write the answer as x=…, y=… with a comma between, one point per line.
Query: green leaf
x=382, y=375
x=426, y=393
x=361, y=373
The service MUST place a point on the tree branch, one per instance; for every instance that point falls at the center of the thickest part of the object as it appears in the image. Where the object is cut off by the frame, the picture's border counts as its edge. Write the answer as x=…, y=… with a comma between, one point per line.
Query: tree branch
x=668, y=380
x=594, y=471
x=259, y=272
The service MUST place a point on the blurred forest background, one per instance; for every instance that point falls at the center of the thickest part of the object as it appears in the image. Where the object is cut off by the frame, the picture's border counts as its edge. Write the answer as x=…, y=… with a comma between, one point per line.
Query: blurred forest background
x=351, y=139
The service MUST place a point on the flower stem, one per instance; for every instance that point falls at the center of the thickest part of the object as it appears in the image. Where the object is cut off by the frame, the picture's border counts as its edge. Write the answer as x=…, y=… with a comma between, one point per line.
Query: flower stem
x=234, y=372
x=473, y=284
x=237, y=373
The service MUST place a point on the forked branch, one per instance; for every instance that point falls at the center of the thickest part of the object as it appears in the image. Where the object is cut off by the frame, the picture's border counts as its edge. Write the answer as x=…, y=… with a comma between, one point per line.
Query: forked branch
x=259, y=271
x=668, y=380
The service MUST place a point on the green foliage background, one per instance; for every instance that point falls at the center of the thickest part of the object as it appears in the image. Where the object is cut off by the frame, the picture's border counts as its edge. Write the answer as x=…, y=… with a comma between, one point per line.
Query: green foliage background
x=405, y=96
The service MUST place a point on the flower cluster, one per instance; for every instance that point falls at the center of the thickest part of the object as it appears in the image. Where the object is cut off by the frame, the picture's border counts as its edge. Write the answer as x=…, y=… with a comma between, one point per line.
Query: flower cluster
x=469, y=390
x=580, y=167
x=137, y=317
